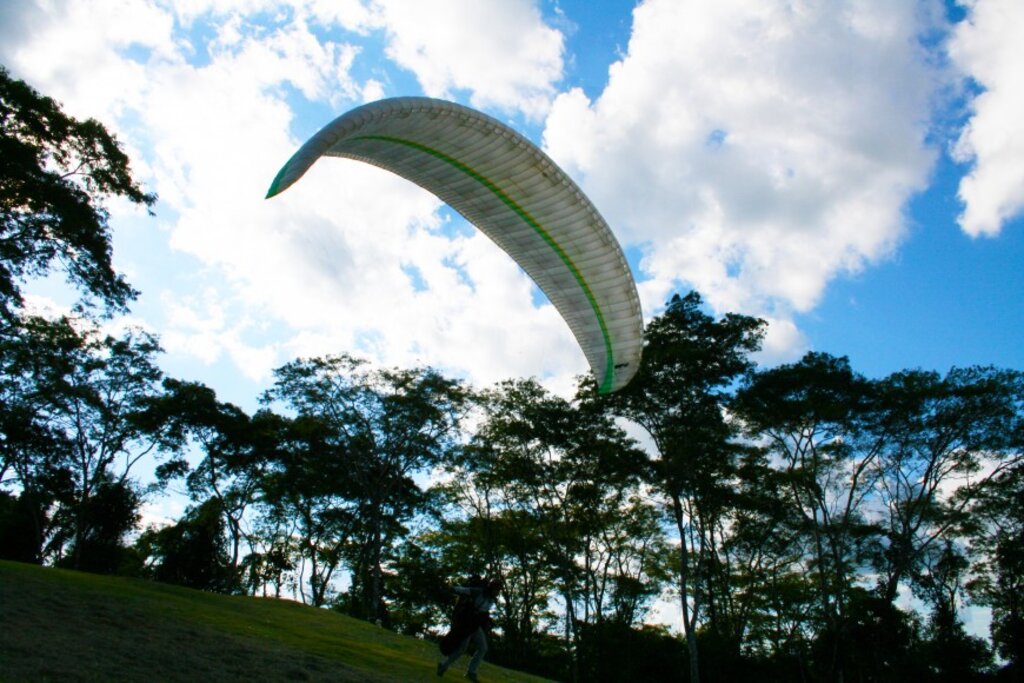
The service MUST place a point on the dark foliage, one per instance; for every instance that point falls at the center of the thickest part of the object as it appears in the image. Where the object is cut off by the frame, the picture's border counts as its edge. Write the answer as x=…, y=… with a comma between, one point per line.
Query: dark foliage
x=613, y=651
x=544, y=655
x=193, y=552
x=106, y=517
x=55, y=171
x=20, y=539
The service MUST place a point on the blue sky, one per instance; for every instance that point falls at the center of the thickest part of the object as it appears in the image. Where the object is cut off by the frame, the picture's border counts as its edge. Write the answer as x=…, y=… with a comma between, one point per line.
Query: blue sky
x=944, y=299
x=851, y=171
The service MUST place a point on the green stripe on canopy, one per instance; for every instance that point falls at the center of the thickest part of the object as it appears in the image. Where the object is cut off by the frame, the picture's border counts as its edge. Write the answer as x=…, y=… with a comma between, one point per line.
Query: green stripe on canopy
x=517, y=196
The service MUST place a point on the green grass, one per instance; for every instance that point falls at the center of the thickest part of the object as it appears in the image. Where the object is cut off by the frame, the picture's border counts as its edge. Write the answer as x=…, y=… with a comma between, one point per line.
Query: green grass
x=58, y=625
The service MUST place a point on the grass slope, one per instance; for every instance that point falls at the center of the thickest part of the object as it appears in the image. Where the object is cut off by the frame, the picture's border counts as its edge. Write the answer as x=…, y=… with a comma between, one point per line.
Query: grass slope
x=58, y=625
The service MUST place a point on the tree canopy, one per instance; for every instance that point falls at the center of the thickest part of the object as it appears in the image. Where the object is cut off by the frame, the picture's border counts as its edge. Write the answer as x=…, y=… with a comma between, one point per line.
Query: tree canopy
x=55, y=173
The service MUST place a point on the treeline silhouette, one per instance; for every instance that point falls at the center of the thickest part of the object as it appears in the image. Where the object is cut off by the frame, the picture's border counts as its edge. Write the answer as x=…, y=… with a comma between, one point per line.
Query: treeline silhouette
x=805, y=522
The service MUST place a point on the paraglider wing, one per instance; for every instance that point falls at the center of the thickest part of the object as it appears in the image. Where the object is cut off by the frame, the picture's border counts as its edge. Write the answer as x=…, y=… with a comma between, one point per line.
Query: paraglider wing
x=513, y=192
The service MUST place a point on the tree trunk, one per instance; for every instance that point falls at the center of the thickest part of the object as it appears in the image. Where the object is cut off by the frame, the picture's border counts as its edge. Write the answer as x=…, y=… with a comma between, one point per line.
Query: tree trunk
x=689, y=621
x=570, y=637
x=373, y=609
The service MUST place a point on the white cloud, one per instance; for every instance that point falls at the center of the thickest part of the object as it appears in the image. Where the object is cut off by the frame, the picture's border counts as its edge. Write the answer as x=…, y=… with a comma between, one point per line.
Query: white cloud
x=989, y=47
x=73, y=50
x=783, y=341
x=327, y=261
x=46, y=307
x=755, y=150
x=501, y=51
x=327, y=257
x=204, y=329
x=158, y=512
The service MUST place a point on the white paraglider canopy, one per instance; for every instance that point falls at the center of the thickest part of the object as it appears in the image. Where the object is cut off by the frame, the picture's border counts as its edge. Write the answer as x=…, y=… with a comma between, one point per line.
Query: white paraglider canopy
x=513, y=192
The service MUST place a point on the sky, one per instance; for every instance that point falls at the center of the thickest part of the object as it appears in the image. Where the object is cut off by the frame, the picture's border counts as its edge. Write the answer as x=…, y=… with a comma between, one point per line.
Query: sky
x=852, y=172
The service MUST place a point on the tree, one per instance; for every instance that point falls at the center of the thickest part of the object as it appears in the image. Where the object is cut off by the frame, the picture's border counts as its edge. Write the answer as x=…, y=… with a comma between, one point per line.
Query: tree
x=31, y=451
x=880, y=642
x=812, y=415
x=478, y=532
x=385, y=425
x=936, y=434
x=571, y=474
x=55, y=173
x=192, y=552
x=690, y=362
x=20, y=534
x=100, y=522
x=81, y=393
x=307, y=495
x=763, y=602
x=952, y=653
x=997, y=539
x=418, y=588
x=271, y=564
x=234, y=451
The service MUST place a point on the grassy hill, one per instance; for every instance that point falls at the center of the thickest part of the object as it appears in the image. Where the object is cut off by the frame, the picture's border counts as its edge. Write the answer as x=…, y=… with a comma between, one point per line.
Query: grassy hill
x=58, y=625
